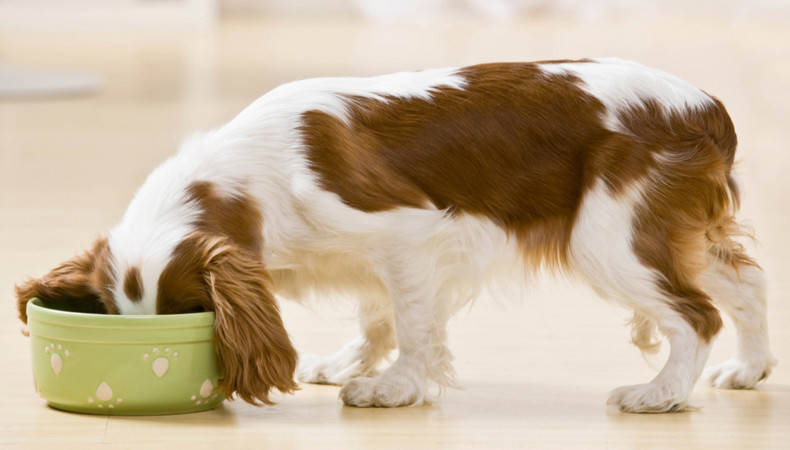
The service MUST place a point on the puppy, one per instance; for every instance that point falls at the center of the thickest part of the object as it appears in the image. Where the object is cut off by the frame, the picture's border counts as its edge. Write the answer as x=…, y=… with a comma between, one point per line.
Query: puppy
x=414, y=191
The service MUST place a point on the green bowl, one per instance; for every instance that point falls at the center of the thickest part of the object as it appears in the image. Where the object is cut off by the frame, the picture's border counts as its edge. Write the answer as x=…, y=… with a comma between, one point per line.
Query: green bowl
x=123, y=365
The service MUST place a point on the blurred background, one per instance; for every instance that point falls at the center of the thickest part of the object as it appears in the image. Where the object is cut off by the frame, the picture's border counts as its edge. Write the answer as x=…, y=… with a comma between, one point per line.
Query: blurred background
x=95, y=93
x=200, y=13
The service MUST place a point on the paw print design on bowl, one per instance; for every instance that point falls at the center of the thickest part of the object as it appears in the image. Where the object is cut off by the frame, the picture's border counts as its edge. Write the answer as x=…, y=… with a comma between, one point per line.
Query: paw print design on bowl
x=104, y=396
x=205, y=394
x=161, y=360
x=58, y=355
x=145, y=366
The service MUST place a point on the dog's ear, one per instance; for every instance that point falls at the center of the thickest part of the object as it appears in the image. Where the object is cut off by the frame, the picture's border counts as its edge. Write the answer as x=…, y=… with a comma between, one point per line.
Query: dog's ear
x=82, y=284
x=253, y=346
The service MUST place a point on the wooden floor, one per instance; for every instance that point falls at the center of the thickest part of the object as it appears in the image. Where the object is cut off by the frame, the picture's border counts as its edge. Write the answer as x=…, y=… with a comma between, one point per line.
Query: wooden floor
x=534, y=372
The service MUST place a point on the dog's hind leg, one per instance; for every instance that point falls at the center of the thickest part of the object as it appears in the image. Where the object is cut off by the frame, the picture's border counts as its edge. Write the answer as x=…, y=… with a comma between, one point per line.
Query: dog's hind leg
x=737, y=286
x=670, y=390
x=652, y=275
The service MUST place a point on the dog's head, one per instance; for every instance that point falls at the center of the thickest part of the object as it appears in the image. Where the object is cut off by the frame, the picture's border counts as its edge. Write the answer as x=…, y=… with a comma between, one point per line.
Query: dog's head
x=211, y=261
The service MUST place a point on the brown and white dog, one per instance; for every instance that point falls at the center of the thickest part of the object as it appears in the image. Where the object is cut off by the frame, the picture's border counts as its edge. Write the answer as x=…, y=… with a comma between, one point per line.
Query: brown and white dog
x=414, y=191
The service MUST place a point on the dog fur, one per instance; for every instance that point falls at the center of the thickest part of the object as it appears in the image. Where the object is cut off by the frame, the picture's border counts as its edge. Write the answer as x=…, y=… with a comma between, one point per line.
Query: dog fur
x=414, y=191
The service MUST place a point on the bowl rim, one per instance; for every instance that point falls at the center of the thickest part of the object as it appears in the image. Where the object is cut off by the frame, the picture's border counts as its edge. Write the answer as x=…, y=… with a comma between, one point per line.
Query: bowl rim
x=37, y=312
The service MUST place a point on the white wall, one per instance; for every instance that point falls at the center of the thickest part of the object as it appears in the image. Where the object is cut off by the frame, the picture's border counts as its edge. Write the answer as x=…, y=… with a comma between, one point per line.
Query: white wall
x=107, y=15
x=394, y=10
x=197, y=14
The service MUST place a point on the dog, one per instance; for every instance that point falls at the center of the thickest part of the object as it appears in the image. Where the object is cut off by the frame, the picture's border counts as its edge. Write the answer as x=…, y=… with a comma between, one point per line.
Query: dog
x=415, y=191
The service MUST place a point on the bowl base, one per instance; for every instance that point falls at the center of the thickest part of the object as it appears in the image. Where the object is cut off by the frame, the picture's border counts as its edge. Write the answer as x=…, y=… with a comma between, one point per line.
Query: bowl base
x=159, y=411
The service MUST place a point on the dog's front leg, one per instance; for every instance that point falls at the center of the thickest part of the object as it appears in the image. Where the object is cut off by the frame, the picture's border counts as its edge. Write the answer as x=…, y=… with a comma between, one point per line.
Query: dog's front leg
x=404, y=382
x=419, y=298
x=361, y=356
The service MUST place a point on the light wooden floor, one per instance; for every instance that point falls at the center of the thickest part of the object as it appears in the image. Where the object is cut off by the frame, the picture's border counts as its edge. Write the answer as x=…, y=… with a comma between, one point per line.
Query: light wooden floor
x=535, y=372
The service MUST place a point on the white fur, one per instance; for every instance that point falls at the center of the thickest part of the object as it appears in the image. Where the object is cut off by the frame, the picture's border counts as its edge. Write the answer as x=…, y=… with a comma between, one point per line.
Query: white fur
x=235, y=156
x=412, y=268
x=620, y=84
x=736, y=293
x=330, y=95
x=156, y=220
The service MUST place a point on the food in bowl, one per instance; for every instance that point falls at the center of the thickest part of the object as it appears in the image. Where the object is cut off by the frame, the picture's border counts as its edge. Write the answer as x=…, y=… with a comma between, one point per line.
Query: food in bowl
x=123, y=365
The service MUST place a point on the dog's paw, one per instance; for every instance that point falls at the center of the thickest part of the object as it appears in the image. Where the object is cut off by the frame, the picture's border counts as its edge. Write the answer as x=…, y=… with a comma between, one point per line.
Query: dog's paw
x=649, y=398
x=335, y=369
x=738, y=374
x=366, y=392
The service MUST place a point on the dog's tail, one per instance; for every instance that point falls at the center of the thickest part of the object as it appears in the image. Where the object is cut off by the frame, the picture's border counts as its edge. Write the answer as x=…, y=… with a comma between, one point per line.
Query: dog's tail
x=725, y=234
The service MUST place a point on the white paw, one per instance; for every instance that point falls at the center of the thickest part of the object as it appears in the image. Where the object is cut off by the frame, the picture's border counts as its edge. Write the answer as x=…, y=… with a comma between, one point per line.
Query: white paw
x=366, y=392
x=649, y=398
x=738, y=374
x=335, y=369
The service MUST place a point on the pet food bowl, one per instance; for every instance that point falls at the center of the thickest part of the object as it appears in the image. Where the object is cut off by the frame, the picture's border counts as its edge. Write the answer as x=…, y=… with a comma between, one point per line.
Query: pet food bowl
x=123, y=365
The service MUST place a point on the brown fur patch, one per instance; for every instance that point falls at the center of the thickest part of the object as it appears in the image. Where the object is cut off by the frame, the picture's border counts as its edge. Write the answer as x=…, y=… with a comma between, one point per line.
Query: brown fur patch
x=502, y=148
x=83, y=283
x=236, y=217
x=210, y=273
x=522, y=147
x=133, y=284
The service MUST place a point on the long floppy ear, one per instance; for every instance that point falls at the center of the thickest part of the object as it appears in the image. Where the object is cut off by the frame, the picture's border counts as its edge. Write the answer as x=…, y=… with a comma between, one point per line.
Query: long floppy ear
x=251, y=341
x=82, y=284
